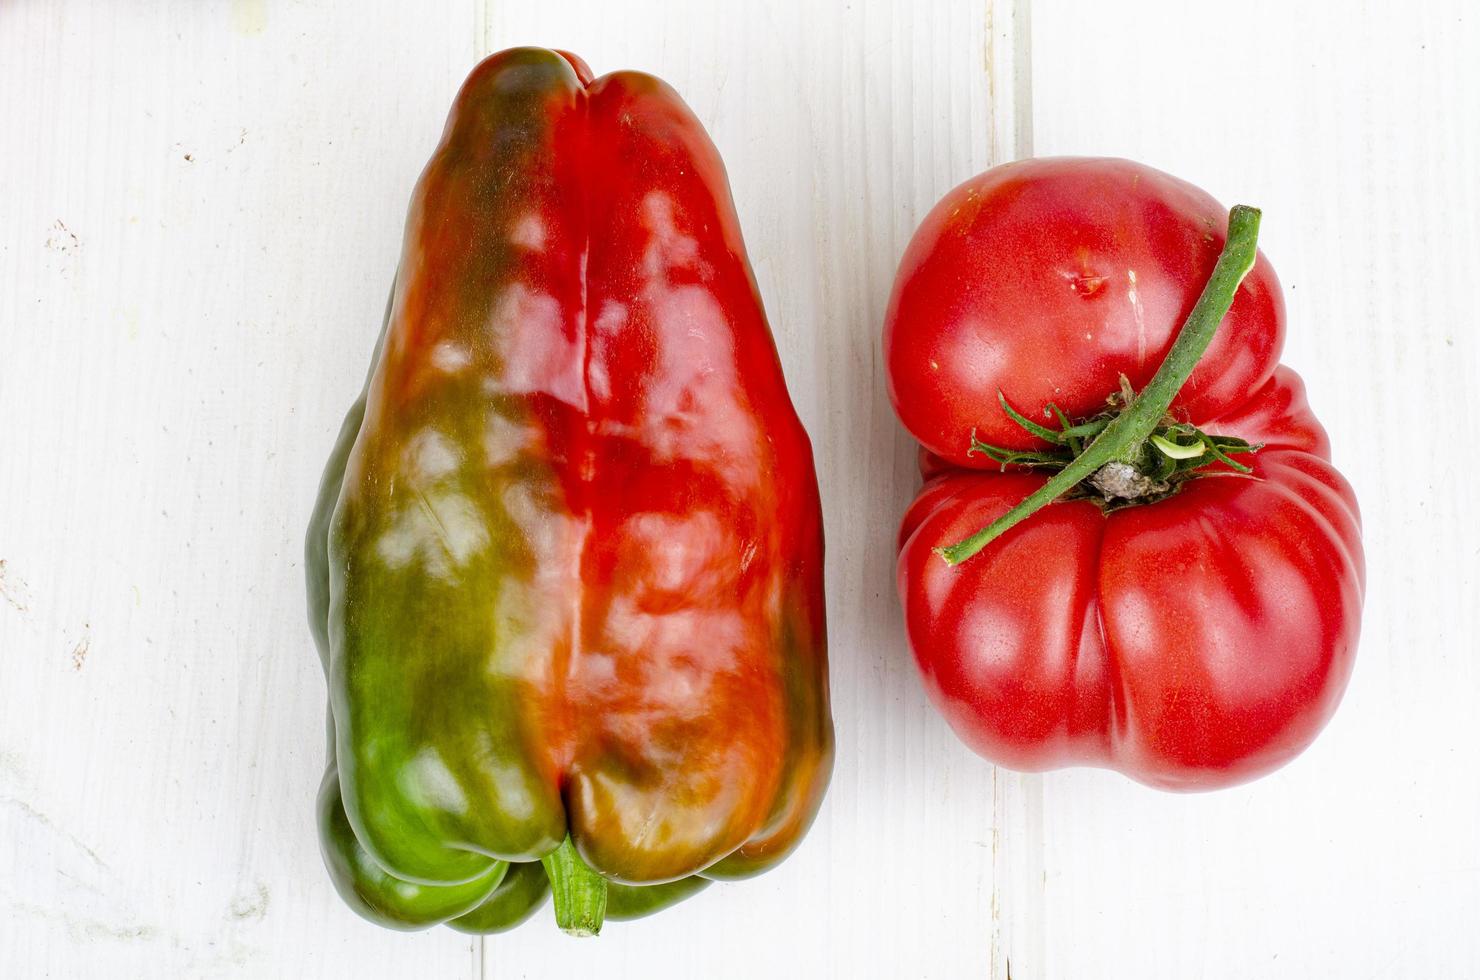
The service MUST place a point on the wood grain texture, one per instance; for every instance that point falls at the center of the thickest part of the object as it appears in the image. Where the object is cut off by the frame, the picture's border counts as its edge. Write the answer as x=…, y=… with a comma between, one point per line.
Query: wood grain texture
x=1357, y=129
x=200, y=209
x=193, y=273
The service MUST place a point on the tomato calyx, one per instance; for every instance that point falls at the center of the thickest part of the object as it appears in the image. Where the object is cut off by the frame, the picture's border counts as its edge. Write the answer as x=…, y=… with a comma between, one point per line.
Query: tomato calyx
x=1170, y=455
x=1123, y=443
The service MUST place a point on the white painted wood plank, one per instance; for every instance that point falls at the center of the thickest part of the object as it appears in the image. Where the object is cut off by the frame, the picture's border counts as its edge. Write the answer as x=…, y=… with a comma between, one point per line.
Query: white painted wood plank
x=1357, y=129
x=235, y=178
x=200, y=209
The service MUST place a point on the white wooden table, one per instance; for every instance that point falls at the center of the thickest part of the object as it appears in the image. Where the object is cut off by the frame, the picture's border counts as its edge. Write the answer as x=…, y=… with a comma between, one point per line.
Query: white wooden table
x=200, y=209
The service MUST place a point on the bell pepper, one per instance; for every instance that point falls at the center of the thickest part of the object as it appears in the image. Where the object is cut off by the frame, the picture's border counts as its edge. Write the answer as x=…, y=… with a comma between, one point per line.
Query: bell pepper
x=565, y=569
x=1131, y=549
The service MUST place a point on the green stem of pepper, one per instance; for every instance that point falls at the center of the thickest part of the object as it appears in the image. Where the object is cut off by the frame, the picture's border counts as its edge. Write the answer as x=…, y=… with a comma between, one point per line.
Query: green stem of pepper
x=578, y=891
x=1123, y=438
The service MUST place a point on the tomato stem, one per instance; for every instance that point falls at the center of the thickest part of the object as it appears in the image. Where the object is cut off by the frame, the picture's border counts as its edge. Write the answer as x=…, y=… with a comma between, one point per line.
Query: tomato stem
x=1121, y=440
x=579, y=892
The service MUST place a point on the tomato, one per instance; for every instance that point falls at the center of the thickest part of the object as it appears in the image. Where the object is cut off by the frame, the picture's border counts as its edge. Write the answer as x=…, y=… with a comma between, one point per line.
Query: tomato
x=1195, y=637
x=1048, y=279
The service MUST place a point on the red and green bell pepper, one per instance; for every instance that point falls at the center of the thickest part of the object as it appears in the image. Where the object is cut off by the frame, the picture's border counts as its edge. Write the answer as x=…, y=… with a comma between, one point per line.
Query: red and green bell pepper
x=565, y=571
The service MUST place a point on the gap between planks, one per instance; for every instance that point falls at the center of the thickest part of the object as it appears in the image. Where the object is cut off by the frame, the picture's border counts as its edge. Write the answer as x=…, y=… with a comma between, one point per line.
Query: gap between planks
x=1018, y=873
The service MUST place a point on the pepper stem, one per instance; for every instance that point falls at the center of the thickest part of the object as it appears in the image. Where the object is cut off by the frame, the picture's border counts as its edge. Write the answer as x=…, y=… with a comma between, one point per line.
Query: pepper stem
x=1123, y=437
x=579, y=892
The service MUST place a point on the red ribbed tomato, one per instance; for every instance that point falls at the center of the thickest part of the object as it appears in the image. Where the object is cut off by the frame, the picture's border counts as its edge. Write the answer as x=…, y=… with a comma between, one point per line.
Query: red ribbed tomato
x=1194, y=637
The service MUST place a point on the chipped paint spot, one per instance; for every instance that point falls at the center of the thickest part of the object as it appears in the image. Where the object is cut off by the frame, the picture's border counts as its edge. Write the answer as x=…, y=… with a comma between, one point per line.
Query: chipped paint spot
x=13, y=589
x=253, y=906
x=81, y=929
x=62, y=239
x=10, y=762
x=84, y=645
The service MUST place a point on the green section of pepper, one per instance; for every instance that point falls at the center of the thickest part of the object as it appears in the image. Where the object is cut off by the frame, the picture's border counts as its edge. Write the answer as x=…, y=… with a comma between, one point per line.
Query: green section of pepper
x=441, y=643
x=377, y=895
x=624, y=902
x=517, y=897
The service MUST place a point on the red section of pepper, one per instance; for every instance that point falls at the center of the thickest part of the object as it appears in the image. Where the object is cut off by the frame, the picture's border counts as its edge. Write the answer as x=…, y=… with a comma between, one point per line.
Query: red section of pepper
x=1198, y=631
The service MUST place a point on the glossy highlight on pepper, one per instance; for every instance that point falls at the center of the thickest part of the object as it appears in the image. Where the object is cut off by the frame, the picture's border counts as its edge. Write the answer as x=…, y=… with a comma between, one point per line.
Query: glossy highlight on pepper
x=565, y=571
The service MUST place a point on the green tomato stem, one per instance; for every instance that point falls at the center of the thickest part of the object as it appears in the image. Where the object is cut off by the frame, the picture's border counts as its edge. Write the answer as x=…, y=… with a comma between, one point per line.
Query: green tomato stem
x=579, y=892
x=1127, y=432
